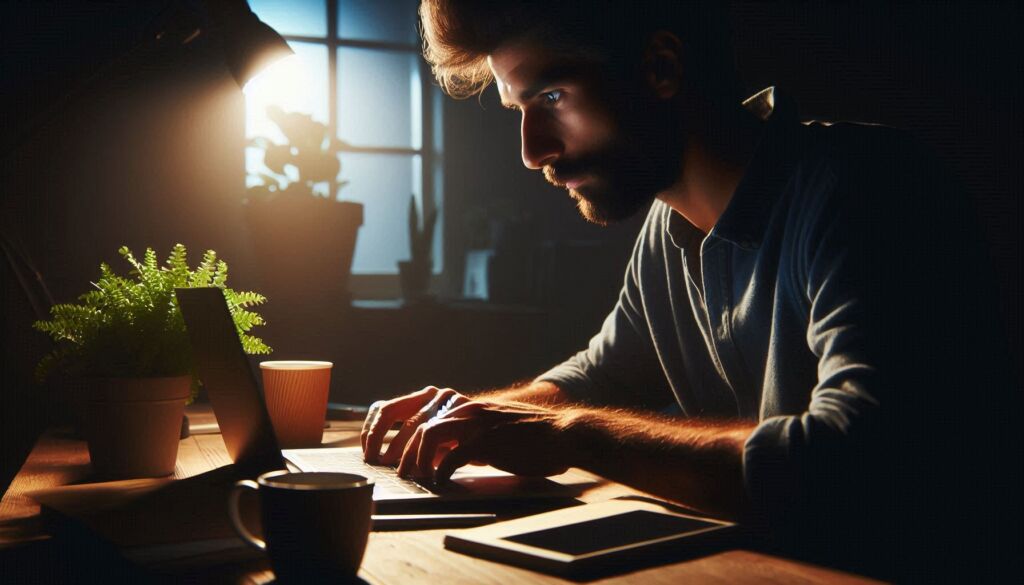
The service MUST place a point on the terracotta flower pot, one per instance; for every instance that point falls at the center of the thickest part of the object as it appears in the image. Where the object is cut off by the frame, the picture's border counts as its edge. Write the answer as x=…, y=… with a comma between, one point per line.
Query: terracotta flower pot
x=133, y=425
x=305, y=245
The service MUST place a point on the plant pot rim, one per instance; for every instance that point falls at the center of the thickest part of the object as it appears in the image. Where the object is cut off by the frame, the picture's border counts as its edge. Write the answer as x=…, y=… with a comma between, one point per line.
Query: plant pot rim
x=109, y=378
x=137, y=389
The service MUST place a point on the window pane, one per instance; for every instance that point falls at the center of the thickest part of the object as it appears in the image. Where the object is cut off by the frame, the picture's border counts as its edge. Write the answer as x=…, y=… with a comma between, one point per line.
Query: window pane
x=375, y=20
x=301, y=86
x=382, y=183
x=379, y=98
x=306, y=18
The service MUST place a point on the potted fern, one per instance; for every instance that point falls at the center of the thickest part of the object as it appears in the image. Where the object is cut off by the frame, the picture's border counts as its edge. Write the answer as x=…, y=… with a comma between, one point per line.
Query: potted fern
x=414, y=274
x=125, y=345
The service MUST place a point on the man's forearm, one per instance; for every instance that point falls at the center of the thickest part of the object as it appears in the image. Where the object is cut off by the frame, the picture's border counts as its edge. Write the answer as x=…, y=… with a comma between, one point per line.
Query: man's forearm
x=539, y=393
x=695, y=462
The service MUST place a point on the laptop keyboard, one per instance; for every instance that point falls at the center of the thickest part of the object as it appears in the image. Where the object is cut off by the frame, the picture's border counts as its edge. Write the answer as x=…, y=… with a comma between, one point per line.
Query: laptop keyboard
x=351, y=461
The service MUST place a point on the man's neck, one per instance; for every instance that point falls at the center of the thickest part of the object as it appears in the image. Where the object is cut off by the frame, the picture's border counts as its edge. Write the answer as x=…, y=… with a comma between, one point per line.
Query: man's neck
x=713, y=162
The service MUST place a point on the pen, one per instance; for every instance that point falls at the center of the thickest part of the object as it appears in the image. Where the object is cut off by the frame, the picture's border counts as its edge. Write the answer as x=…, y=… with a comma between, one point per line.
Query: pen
x=411, y=521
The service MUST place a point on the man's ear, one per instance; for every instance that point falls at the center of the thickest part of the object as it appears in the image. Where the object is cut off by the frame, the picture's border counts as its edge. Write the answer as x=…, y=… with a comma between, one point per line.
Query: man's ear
x=662, y=64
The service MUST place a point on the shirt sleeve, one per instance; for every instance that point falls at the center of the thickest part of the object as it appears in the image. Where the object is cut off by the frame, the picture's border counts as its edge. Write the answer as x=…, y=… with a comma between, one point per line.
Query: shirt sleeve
x=875, y=283
x=620, y=365
x=897, y=445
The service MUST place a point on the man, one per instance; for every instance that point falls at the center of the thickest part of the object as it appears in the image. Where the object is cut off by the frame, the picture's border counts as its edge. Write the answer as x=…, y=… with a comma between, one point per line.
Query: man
x=811, y=296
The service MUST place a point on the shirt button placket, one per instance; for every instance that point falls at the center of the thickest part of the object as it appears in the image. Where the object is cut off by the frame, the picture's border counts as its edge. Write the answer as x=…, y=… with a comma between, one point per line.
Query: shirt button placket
x=714, y=266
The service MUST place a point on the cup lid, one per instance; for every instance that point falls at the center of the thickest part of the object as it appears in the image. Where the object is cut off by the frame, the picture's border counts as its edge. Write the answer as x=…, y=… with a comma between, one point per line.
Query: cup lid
x=295, y=364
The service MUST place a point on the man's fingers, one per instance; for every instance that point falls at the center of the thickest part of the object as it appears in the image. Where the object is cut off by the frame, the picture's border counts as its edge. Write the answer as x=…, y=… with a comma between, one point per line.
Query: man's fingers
x=456, y=458
x=397, y=445
x=388, y=414
x=371, y=415
x=453, y=403
x=441, y=432
x=464, y=407
x=407, y=463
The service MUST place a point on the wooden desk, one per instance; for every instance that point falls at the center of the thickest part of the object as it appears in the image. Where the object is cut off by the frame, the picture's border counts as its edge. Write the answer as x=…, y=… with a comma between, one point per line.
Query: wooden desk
x=392, y=557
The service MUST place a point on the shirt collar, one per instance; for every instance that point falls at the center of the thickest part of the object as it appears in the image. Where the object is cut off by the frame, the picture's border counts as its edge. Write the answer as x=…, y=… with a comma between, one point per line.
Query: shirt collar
x=743, y=221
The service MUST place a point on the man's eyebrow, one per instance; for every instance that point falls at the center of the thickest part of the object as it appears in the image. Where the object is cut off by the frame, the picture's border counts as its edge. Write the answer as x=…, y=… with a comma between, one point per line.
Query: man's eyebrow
x=545, y=79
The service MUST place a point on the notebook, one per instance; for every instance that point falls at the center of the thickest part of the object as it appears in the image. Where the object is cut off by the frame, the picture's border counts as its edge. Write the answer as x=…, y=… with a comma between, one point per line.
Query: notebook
x=593, y=540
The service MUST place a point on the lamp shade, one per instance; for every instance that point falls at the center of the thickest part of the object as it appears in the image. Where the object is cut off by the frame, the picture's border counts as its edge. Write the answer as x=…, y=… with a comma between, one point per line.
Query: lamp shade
x=249, y=44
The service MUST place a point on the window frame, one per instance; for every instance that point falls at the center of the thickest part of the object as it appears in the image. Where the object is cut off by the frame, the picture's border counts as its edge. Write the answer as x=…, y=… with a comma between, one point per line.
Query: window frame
x=386, y=285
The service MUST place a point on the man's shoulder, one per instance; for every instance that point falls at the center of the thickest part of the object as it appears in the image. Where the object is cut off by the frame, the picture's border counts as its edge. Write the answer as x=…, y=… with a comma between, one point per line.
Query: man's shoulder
x=874, y=179
x=874, y=165
x=859, y=151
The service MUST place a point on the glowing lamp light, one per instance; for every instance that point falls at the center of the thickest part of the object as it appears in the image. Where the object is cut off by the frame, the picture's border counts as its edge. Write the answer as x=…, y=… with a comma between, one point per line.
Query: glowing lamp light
x=283, y=83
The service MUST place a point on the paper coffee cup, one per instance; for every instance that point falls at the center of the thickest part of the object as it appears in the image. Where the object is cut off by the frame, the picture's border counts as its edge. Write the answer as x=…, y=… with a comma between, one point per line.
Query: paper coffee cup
x=296, y=395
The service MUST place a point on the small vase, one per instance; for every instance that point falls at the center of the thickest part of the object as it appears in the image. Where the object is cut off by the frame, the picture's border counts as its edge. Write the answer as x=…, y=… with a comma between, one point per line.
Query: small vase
x=133, y=425
x=414, y=278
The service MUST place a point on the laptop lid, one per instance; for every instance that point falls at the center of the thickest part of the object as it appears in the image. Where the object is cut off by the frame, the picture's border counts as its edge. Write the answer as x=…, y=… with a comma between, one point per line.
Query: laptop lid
x=224, y=370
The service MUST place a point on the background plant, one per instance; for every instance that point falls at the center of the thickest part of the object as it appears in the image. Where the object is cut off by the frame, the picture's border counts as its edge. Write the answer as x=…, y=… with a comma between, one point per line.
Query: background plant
x=132, y=326
x=421, y=237
x=309, y=158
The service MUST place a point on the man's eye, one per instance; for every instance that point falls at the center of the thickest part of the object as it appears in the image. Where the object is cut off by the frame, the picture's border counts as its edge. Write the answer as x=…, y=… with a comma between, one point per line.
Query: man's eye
x=552, y=97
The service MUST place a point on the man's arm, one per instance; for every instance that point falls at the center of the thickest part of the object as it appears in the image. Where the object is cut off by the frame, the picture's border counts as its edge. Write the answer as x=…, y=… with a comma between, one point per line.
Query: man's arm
x=695, y=462
x=698, y=462
x=541, y=393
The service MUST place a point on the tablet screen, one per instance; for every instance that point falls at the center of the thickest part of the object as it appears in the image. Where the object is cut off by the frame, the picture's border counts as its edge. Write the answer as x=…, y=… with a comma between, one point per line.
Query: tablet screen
x=610, y=532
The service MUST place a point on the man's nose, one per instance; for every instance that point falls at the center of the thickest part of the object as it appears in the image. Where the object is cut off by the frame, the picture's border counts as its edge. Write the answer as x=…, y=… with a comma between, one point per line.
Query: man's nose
x=541, y=143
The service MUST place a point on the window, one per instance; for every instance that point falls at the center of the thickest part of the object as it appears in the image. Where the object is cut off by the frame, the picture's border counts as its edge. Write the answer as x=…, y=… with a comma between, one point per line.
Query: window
x=363, y=76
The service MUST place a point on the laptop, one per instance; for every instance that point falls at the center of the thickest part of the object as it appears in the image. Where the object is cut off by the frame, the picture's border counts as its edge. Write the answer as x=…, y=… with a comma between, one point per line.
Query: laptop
x=238, y=405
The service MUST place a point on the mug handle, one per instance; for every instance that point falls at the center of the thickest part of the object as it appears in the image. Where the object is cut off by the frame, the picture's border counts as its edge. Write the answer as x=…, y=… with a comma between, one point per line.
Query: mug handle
x=236, y=518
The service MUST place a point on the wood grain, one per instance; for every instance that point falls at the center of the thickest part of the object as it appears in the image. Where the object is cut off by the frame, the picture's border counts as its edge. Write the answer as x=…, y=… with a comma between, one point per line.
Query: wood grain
x=55, y=460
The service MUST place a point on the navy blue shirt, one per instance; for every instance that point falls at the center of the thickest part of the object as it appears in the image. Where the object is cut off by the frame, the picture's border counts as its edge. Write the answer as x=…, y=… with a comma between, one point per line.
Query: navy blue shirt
x=840, y=282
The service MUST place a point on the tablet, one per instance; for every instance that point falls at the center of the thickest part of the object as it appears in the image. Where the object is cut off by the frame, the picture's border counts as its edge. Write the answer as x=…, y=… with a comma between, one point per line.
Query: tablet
x=585, y=539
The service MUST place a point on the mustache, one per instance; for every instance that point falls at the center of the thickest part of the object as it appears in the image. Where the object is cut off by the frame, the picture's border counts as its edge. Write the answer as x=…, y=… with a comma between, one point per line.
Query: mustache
x=557, y=174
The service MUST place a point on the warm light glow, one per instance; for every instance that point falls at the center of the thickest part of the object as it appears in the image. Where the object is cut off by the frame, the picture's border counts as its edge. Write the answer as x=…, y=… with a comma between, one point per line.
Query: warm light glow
x=283, y=83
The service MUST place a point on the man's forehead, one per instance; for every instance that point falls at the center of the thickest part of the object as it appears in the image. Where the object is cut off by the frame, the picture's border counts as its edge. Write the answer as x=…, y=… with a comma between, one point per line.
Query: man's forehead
x=523, y=69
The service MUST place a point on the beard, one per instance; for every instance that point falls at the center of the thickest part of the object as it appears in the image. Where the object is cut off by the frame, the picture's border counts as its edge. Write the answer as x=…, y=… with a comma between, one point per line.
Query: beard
x=623, y=176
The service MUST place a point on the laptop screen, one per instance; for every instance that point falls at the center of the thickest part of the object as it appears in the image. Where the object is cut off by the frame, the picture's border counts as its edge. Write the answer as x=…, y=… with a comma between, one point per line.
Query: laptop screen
x=224, y=371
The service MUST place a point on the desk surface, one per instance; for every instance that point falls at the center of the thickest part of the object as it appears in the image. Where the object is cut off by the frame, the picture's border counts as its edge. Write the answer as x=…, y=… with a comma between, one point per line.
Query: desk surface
x=392, y=557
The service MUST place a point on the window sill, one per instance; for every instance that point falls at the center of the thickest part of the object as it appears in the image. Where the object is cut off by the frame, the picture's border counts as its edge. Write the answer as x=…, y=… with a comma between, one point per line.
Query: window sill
x=383, y=286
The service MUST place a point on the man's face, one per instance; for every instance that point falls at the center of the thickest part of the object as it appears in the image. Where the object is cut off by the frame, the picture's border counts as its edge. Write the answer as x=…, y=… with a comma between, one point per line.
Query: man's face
x=608, y=141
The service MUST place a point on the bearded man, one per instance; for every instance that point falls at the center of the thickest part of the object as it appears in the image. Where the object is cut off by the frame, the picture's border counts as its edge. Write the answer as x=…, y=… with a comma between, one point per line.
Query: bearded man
x=811, y=296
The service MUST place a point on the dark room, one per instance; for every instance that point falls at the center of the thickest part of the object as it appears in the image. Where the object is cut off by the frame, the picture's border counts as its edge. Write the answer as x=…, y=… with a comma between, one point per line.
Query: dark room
x=510, y=291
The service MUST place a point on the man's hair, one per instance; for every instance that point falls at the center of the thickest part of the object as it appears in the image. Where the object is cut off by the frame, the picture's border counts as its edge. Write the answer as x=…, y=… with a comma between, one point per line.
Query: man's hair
x=459, y=34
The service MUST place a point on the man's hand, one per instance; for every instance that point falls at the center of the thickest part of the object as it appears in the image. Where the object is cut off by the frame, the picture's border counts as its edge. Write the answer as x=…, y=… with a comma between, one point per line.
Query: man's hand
x=415, y=409
x=446, y=429
x=523, y=439
x=419, y=407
